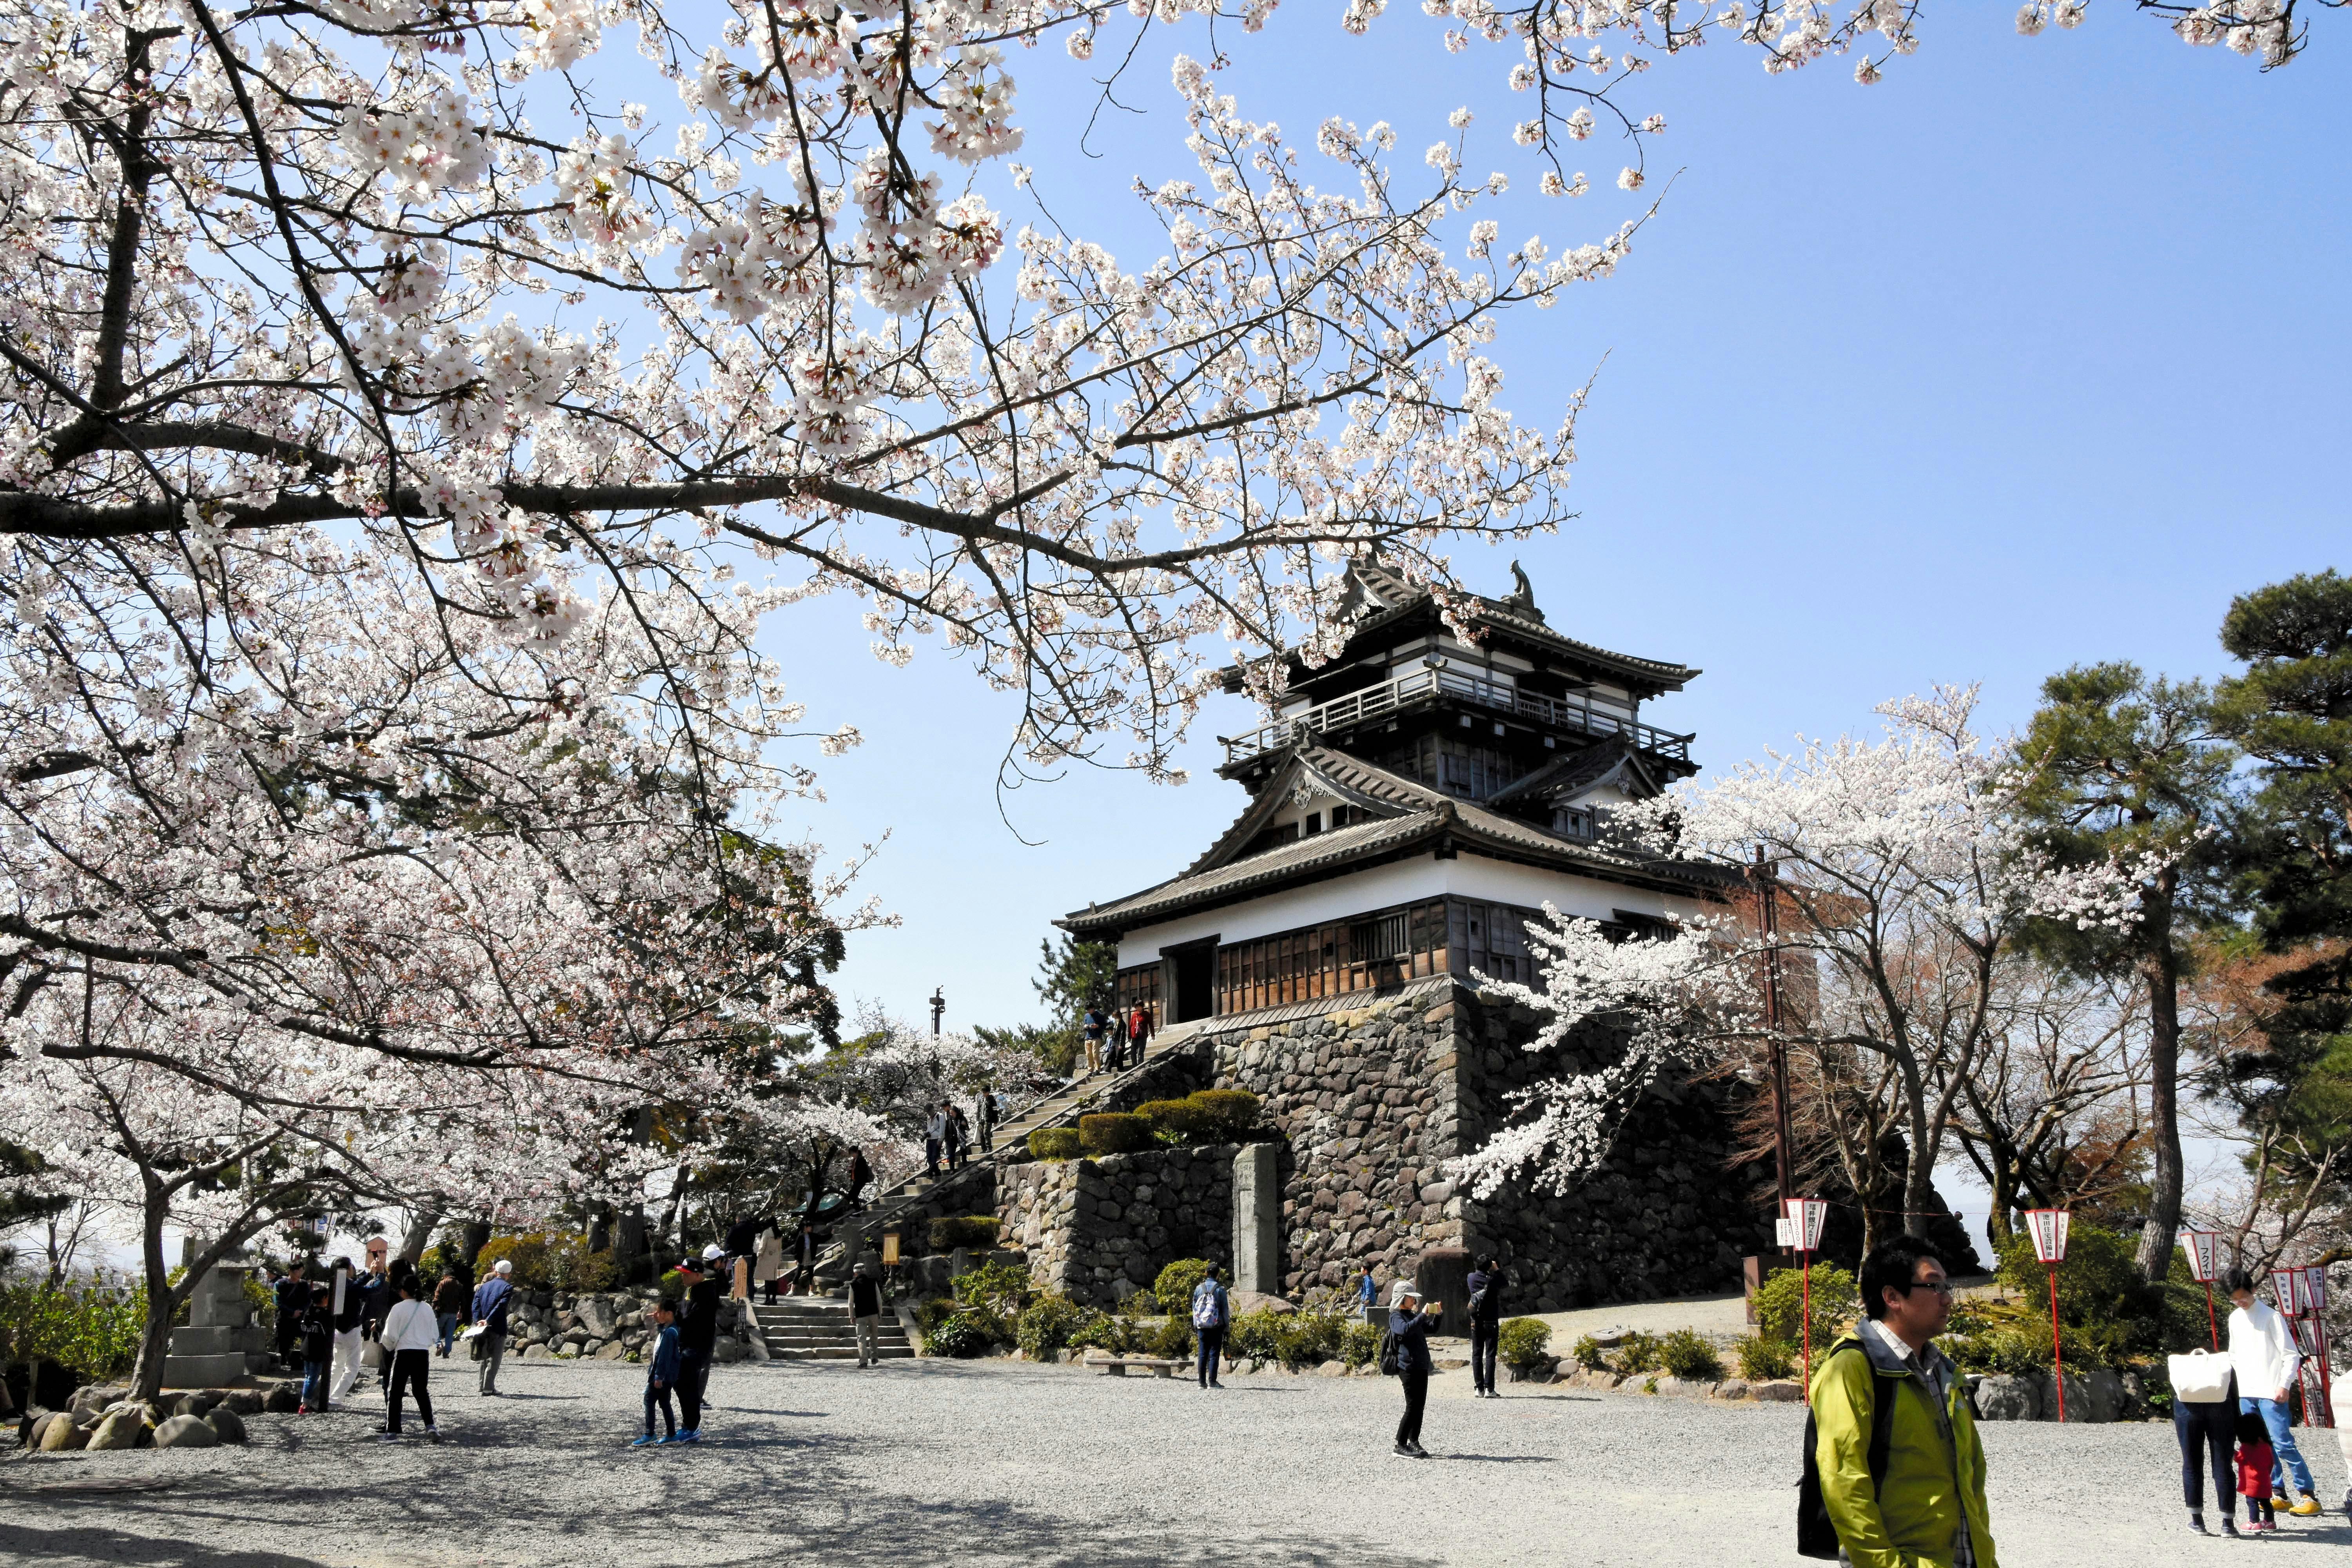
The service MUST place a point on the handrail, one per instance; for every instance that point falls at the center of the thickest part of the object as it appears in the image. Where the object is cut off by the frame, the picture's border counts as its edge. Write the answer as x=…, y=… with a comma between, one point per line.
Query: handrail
x=1411, y=691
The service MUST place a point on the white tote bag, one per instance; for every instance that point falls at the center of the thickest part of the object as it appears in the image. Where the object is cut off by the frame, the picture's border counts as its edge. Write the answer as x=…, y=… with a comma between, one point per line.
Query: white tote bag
x=2201, y=1377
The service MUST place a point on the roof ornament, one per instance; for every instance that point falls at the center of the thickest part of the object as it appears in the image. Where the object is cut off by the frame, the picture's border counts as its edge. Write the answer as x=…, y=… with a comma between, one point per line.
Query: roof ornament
x=1523, y=596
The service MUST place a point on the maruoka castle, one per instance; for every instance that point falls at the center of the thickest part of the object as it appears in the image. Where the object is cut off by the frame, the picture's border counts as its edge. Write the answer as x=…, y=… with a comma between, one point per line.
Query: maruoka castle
x=1406, y=813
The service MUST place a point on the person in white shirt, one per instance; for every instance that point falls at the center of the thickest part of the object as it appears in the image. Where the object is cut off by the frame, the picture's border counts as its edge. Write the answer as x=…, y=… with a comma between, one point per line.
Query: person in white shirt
x=409, y=1334
x=2262, y=1353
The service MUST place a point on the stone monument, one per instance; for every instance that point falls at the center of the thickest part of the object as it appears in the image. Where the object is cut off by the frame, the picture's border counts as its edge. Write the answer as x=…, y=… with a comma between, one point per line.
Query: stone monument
x=220, y=1342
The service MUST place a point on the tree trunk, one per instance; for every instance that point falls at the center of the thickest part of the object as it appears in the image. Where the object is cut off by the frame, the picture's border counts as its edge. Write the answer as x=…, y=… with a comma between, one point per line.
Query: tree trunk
x=419, y=1234
x=2160, y=967
x=155, y=1343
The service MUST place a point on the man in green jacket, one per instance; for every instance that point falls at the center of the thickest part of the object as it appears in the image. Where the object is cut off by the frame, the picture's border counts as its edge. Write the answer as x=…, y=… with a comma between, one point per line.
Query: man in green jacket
x=1929, y=1507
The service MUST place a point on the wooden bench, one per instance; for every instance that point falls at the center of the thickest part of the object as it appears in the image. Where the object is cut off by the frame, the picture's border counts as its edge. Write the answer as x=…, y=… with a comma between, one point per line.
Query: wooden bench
x=1117, y=1366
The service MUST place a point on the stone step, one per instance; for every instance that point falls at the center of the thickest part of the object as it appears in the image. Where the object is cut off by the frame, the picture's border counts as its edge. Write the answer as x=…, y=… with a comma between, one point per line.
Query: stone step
x=846, y=1353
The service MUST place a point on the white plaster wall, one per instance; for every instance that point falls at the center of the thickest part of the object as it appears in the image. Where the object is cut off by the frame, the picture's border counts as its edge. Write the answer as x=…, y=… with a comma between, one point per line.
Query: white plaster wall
x=1360, y=892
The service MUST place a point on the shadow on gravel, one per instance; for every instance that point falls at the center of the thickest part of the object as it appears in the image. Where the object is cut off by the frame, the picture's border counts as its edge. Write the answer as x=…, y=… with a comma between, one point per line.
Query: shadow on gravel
x=94, y=1543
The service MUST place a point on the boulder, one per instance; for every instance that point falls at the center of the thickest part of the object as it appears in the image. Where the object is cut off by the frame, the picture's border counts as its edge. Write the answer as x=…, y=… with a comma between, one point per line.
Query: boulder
x=611, y=1349
x=727, y=1350
x=186, y=1432
x=1332, y=1369
x=120, y=1429
x=1243, y=1301
x=596, y=1316
x=244, y=1401
x=1780, y=1390
x=227, y=1424
x=2092, y=1397
x=197, y=1402
x=1541, y=1372
x=283, y=1400
x=1731, y=1388
x=62, y=1436
x=2000, y=1397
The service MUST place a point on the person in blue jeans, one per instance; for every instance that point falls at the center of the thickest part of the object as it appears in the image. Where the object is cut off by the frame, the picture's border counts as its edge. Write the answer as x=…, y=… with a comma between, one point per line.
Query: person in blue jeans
x=1212, y=1310
x=318, y=1331
x=661, y=1376
x=2266, y=1361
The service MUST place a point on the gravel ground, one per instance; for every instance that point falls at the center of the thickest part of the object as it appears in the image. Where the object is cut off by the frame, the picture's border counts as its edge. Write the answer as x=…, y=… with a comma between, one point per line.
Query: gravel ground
x=917, y=1463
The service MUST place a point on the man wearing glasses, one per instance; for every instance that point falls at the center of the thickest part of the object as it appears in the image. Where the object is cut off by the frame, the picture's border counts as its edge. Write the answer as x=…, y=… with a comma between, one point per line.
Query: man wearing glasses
x=1921, y=1499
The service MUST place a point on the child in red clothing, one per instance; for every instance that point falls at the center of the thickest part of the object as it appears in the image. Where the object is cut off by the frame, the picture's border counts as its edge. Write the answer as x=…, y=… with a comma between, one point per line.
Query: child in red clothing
x=2254, y=1458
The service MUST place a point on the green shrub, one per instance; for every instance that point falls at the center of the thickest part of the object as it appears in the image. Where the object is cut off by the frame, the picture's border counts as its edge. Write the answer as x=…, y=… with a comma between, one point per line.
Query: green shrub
x=2101, y=1300
x=1688, y=1354
x=1055, y=1143
x=673, y=1285
x=1101, y=1330
x=1172, y=1120
x=1174, y=1288
x=1047, y=1325
x=1308, y=1339
x=1255, y=1335
x=1589, y=1353
x=1524, y=1342
x=1359, y=1343
x=931, y=1311
x=1763, y=1360
x=1002, y=1288
x=1637, y=1352
x=959, y=1334
x=1173, y=1338
x=92, y=1325
x=1222, y=1115
x=1781, y=1305
x=951, y=1231
x=549, y=1260
x=1114, y=1133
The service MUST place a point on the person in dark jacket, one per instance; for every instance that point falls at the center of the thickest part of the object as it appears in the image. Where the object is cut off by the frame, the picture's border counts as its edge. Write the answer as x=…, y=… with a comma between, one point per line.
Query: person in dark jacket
x=491, y=1304
x=697, y=1335
x=1486, y=1324
x=293, y=1298
x=866, y=1313
x=448, y=1309
x=661, y=1376
x=315, y=1326
x=860, y=1172
x=1409, y=1326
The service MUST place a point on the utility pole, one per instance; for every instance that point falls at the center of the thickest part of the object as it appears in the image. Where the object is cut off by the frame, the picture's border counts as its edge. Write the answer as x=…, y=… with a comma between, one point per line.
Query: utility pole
x=1768, y=921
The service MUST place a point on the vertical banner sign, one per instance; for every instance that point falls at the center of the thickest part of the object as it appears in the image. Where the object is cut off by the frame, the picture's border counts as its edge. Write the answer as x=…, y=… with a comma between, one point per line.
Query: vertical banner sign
x=1805, y=1219
x=2048, y=1229
x=2204, y=1260
x=1784, y=1234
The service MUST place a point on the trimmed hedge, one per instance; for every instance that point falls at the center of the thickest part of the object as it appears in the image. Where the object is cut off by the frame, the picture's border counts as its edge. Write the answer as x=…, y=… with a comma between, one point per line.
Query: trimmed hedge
x=1174, y=1288
x=1225, y=1115
x=1524, y=1343
x=1114, y=1134
x=952, y=1231
x=1764, y=1359
x=1055, y=1143
x=1172, y=1120
x=1690, y=1355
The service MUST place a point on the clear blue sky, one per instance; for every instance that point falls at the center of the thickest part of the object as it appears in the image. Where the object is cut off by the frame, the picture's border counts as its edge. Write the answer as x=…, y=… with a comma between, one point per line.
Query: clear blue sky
x=2029, y=356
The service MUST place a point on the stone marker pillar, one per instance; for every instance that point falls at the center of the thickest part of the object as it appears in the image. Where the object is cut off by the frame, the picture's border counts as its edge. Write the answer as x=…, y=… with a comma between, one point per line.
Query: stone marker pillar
x=1257, y=1219
x=212, y=1349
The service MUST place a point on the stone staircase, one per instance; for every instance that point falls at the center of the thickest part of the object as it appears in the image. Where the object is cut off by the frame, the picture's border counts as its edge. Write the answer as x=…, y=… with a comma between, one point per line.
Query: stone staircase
x=906, y=1203
x=818, y=1327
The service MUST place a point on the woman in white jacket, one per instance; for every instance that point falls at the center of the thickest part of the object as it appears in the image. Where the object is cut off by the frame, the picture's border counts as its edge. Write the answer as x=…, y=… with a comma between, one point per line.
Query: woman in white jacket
x=408, y=1335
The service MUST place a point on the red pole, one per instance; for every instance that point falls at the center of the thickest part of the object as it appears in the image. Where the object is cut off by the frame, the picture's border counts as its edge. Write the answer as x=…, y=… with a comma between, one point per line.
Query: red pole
x=1809, y=1324
x=2056, y=1353
x=2212, y=1325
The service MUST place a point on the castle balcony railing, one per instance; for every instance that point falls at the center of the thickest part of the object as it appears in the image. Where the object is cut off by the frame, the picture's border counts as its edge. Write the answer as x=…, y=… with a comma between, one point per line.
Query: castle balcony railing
x=1425, y=686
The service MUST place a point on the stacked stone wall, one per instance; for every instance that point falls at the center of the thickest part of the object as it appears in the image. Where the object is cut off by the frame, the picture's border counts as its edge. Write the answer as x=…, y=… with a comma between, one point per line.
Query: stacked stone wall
x=1373, y=1101
x=1098, y=1230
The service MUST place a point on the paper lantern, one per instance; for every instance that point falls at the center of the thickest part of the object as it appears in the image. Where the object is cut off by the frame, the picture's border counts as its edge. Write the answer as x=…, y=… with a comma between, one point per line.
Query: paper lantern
x=2283, y=1282
x=2312, y=1292
x=1784, y=1234
x=2204, y=1256
x=1808, y=1216
x=2048, y=1227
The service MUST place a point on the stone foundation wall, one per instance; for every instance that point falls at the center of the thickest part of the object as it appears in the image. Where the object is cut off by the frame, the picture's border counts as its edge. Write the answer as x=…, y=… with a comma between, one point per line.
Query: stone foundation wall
x=1098, y=1230
x=1374, y=1099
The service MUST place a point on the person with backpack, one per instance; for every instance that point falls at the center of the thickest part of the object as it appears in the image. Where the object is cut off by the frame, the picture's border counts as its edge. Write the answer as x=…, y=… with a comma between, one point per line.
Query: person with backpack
x=1404, y=1353
x=1485, y=1284
x=1210, y=1312
x=1893, y=1471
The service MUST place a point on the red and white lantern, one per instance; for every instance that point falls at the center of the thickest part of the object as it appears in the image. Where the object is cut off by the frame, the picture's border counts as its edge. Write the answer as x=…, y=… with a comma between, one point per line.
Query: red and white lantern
x=2048, y=1228
x=1784, y=1234
x=2282, y=1291
x=1805, y=1220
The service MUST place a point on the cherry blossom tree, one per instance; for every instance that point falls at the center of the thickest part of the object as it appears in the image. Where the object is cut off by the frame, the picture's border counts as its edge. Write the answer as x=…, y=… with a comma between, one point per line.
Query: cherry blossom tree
x=1908, y=877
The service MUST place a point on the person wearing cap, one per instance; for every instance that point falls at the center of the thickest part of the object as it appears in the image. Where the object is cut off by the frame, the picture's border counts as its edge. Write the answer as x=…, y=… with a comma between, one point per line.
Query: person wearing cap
x=698, y=1335
x=866, y=1312
x=1409, y=1326
x=492, y=1303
